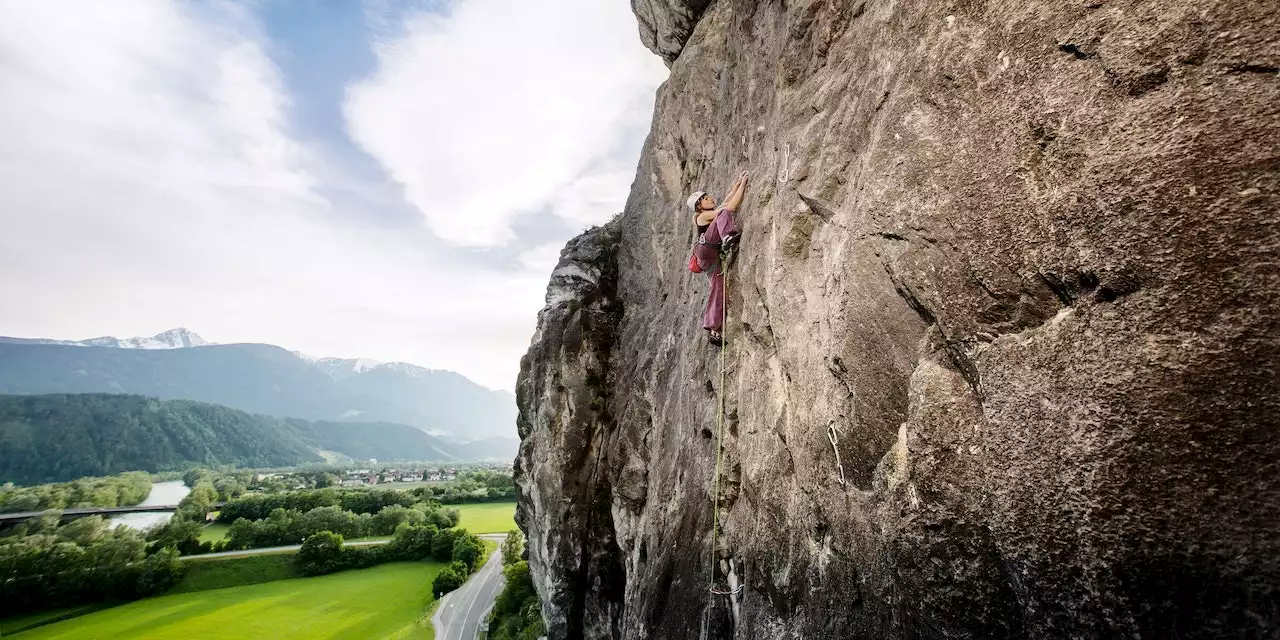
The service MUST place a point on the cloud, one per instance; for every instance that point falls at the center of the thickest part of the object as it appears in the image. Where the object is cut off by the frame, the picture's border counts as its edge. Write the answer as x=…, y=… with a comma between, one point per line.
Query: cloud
x=501, y=108
x=149, y=176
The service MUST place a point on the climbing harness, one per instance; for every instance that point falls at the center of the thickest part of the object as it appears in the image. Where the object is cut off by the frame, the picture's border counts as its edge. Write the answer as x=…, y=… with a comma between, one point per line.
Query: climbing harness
x=834, y=436
x=715, y=509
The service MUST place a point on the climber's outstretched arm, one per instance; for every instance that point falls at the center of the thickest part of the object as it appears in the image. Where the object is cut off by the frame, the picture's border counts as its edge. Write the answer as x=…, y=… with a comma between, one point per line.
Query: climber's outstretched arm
x=734, y=199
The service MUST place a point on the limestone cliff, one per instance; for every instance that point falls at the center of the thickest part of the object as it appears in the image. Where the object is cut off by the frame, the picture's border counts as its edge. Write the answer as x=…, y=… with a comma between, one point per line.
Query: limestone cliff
x=1017, y=259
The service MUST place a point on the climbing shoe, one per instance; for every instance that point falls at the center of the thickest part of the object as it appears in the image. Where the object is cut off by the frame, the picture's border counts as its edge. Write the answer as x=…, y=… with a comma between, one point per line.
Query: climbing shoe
x=715, y=337
x=729, y=242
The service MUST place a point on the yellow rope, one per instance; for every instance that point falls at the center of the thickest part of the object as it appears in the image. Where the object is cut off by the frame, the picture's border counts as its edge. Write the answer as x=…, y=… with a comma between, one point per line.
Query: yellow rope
x=715, y=509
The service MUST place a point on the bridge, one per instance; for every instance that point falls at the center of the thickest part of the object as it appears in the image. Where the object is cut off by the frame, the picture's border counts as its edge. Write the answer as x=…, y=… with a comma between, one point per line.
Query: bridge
x=81, y=512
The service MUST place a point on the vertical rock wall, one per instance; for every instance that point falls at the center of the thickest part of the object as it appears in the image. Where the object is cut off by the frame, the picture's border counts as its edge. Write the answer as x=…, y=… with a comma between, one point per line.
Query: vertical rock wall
x=1015, y=262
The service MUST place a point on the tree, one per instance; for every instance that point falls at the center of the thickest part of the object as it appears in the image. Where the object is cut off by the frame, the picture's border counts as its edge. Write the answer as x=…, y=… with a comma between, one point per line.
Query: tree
x=192, y=477
x=178, y=533
x=440, y=519
x=22, y=502
x=442, y=546
x=320, y=553
x=512, y=547
x=243, y=534
x=517, y=613
x=414, y=542
x=83, y=531
x=390, y=517
x=468, y=550
x=160, y=571
x=447, y=580
x=203, y=494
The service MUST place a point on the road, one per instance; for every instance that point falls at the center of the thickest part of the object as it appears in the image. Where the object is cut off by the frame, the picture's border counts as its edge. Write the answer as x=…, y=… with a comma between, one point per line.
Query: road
x=460, y=613
x=266, y=550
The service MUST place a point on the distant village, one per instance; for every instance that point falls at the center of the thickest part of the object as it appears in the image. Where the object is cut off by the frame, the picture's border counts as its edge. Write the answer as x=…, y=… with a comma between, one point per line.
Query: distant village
x=375, y=475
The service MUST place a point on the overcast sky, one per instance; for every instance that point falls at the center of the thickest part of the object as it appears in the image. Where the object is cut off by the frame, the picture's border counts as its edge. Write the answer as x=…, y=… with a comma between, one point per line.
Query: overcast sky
x=388, y=179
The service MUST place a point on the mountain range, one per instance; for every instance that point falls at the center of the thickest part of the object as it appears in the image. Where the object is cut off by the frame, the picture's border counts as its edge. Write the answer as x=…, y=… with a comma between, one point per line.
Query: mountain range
x=172, y=339
x=261, y=379
x=60, y=437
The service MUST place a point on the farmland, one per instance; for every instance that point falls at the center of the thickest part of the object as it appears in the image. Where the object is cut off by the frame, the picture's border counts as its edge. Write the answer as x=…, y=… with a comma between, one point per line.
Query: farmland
x=388, y=601
x=491, y=517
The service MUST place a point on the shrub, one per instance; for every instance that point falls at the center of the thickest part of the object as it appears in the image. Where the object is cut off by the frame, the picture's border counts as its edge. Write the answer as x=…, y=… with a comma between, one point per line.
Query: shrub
x=320, y=553
x=447, y=580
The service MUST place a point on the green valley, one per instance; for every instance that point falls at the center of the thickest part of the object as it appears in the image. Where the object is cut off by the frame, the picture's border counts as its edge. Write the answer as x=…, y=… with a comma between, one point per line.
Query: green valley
x=387, y=601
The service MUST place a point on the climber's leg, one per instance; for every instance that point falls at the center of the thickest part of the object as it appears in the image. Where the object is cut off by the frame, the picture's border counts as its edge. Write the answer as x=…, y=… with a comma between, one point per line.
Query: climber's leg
x=713, y=315
x=724, y=229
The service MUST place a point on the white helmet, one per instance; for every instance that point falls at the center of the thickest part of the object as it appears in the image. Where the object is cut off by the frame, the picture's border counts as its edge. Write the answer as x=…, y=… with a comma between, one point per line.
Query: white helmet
x=693, y=200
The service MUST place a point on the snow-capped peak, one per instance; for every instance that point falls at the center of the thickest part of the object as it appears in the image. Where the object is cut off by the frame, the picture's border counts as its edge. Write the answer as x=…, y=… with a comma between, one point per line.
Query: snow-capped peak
x=339, y=368
x=411, y=370
x=179, y=338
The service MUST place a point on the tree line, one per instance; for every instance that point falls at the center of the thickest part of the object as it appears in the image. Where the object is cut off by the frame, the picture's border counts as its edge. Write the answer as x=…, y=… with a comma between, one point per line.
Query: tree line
x=517, y=612
x=472, y=487
x=44, y=564
x=363, y=501
x=325, y=552
x=124, y=490
x=287, y=527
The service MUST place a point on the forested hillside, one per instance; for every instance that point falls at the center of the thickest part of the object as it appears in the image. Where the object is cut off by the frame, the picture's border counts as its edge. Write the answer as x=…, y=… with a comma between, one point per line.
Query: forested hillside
x=62, y=437
x=264, y=379
x=381, y=440
x=65, y=436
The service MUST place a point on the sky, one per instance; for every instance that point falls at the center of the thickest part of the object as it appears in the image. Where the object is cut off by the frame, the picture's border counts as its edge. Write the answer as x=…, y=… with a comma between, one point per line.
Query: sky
x=390, y=179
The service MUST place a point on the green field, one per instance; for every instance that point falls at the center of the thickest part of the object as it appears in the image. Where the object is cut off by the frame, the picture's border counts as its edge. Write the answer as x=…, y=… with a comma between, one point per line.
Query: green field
x=388, y=601
x=214, y=532
x=10, y=626
x=217, y=573
x=491, y=517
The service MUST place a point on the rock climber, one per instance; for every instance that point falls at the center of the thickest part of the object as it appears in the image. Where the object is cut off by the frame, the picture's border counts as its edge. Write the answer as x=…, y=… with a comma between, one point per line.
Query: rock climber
x=717, y=234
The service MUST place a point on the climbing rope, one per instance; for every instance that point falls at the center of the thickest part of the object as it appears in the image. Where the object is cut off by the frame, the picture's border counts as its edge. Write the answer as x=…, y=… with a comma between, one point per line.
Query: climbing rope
x=715, y=509
x=834, y=437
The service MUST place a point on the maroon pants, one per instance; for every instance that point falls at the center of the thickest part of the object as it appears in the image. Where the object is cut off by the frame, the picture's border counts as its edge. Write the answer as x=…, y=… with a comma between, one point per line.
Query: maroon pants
x=708, y=254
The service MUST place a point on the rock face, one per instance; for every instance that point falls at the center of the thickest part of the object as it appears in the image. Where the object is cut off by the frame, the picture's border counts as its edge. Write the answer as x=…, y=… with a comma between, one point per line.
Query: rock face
x=1003, y=341
x=665, y=25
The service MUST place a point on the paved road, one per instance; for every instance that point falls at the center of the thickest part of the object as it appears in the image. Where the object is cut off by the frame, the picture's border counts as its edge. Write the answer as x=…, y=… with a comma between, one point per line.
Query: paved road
x=462, y=611
x=266, y=550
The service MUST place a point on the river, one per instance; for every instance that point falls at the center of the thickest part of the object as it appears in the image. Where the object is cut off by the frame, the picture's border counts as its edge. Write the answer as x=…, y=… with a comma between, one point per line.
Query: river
x=161, y=493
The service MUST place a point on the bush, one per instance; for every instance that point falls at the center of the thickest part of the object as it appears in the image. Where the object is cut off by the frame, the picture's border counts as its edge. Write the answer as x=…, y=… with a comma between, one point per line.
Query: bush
x=413, y=542
x=468, y=549
x=160, y=571
x=320, y=553
x=517, y=613
x=512, y=547
x=86, y=562
x=442, y=546
x=447, y=580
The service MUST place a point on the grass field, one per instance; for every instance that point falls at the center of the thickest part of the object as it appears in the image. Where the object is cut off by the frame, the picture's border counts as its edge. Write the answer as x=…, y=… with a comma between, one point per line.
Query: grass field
x=217, y=573
x=10, y=626
x=214, y=532
x=492, y=517
x=385, y=602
